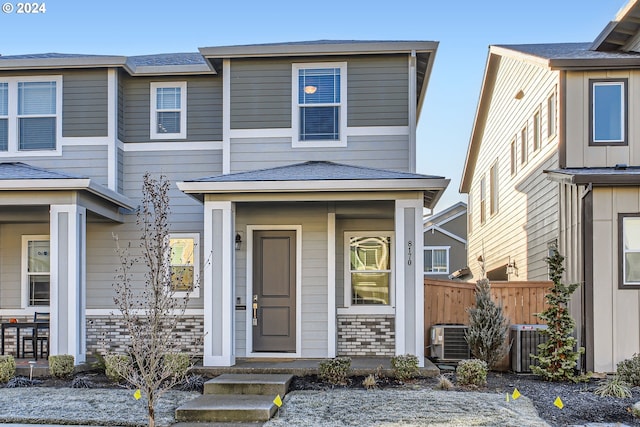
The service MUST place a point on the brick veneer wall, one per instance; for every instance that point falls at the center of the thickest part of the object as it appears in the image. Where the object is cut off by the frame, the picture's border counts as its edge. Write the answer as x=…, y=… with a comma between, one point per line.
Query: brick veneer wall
x=108, y=334
x=366, y=335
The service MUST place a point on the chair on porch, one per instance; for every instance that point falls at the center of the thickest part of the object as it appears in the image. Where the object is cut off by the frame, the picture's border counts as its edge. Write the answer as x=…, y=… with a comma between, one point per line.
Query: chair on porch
x=43, y=340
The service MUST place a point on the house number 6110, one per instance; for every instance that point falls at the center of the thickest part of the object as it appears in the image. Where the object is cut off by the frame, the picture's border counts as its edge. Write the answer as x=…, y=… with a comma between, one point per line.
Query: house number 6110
x=409, y=246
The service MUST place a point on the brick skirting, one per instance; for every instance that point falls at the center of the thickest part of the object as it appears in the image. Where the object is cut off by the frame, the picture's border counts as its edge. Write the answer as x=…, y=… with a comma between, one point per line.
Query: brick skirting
x=366, y=335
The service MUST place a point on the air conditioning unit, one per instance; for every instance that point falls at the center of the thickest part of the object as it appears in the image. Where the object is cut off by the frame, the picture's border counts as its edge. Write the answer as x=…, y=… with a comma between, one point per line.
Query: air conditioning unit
x=524, y=342
x=448, y=342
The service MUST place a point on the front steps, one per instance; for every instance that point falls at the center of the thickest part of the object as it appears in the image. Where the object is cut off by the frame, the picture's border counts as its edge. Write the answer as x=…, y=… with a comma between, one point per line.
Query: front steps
x=236, y=398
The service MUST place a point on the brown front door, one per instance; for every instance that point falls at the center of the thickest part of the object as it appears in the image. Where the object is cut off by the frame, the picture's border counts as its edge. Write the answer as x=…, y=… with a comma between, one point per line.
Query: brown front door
x=274, y=291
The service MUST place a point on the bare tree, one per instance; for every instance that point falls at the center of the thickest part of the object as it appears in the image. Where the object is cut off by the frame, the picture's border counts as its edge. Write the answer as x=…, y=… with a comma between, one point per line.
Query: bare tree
x=151, y=312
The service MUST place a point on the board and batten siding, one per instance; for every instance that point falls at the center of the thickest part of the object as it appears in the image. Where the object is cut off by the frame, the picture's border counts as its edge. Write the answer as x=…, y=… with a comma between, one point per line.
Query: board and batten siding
x=377, y=91
x=204, y=107
x=616, y=311
x=526, y=219
x=579, y=153
x=84, y=103
x=313, y=219
x=384, y=152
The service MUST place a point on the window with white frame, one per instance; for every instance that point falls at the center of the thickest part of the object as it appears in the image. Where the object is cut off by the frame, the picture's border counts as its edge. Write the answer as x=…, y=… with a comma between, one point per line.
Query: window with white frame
x=536, y=131
x=629, y=250
x=524, y=148
x=608, y=112
x=368, y=275
x=551, y=115
x=36, y=268
x=436, y=260
x=29, y=113
x=319, y=107
x=514, y=157
x=483, y=201
x=185, y=263
x=168, y=110
x=494, y=189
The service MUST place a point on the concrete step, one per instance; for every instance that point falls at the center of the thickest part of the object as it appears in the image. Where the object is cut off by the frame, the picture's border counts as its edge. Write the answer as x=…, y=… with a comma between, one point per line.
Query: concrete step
x=227, y=408
x=265, y=384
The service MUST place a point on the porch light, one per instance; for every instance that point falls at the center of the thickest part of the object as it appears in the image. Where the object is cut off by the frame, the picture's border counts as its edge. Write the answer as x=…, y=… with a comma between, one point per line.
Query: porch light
x=238, y=241
x=310, y=90
x=511, y=268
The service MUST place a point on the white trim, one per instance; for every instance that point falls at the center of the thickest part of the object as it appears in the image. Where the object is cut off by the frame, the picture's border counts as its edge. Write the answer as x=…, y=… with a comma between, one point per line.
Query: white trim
x=331, y=285
x=226, y=116
x=197, y=283
x=437, y=248
x=12, y=117
x=435, y=219
x=445, y=232
x=261, y=133
x=350, y=131
x=378, y=131
x=419, y=284
x=295, y=107
x=249, y=295
x=399, y=267
x=413, y=106
x=349, y=308
x=153, y=122
x=24, y=283
x=171, y=146
x=112, y=129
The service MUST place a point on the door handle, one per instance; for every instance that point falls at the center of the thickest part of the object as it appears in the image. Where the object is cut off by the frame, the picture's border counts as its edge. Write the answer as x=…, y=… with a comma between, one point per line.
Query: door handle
x=255, y=310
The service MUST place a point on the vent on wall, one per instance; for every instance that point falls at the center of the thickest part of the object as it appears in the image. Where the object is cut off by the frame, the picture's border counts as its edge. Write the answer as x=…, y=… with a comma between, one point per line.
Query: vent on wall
x=448, y=342
x=524, y=342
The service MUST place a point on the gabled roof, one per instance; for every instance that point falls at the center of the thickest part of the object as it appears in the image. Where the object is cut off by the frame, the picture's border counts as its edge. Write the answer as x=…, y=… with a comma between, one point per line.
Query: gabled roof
x=446, y=215
x=621, y=33
x=318, y=176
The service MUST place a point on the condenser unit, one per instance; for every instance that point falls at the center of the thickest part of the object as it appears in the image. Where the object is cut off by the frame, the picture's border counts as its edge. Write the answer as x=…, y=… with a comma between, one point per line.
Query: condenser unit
x=448, y=342
x=524, y=342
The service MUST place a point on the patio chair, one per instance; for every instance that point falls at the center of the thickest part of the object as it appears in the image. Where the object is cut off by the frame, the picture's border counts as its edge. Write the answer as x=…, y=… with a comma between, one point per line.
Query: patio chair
x=43, y=340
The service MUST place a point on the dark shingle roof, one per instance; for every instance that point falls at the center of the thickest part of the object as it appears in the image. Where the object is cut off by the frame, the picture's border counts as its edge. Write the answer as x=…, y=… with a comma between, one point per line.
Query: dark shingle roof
x=315, y=171
x=52, y=56
x=189, y=58
x=17, y=170
x=567, y=51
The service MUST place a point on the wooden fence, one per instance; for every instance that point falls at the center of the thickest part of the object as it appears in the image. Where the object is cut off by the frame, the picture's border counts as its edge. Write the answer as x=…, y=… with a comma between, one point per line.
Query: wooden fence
x=447, y=301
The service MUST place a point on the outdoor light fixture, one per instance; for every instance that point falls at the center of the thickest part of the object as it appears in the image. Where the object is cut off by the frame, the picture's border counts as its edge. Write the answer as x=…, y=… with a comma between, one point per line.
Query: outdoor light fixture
x=511, y=268
x=238, y=241
x=310, y=90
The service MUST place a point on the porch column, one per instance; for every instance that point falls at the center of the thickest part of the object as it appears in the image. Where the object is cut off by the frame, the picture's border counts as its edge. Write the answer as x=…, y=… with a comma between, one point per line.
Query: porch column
x=68, y=224
x=409, y=290
x=219, y=283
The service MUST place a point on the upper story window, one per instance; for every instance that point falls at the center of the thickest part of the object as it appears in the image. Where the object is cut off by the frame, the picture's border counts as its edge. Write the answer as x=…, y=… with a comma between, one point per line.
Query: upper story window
x=551, y=115
x=608, y=112
x=493, y=187
x=524, y=148
x=514, y=157
x=319, y=107
x=168, y=110
x=483, y=201
x=29, y=113
x=536, y=131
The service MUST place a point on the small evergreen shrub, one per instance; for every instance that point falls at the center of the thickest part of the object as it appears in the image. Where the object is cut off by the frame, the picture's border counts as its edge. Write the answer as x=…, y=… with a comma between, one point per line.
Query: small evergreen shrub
x=7, y=368
x=98, y=364
x=61, y=365
x=444, y=383
x=472, y=372
x=405, y=367
x=613, y=387
x=178, y=363
x=370, y=382
x=115, y=366
x=335, y=371
x=629, y=370
x=81, y=382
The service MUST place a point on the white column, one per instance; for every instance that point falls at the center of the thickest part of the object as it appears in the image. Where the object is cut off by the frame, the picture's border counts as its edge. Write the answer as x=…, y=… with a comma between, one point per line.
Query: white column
x=219, y=284
x=331, y=285
x=409, y=291
x=68, y=281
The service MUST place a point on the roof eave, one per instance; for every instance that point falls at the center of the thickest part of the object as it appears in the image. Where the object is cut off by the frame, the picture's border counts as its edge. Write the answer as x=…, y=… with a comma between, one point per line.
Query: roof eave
x=49, y=63
x=594, y=64
x=620, y=179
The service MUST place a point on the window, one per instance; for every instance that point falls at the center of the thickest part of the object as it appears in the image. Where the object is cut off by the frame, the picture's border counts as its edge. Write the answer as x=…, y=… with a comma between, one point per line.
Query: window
x=551, y=115
x=493, y=188
x=514, y=157
x=368, y=271
x=29, y=113
x=608, y=119
x=524, y=151
x=36, y=266
x=483, y=201
x=536, y=131
x=168, y=110
x=184, y=264
x=319, y=104
x=469, y=213
x=629, y=250
x=436, y=260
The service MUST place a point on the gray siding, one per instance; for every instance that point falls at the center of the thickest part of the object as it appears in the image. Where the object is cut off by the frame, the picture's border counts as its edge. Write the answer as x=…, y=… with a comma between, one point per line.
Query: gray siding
x=377, y=91
x=120, y=172
x=386, y=152
x=121, y=87
x=204, y=108
x=84, y=106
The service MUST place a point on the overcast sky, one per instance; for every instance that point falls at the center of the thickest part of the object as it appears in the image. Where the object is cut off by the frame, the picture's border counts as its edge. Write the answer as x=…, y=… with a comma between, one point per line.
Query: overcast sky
x=464, y=28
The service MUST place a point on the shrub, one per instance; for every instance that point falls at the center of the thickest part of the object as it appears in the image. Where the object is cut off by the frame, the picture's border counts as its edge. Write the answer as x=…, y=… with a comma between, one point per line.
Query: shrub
x=61, y=365
x=193, y=383
x=472, y=372
x=370, y=382
x=17, y=382
x=444, y=383
x=177, y=363
x=81, y=382
x=7, y=368
x=115, y=366
x=613, y=387
x=405, y=367
x=488, y=327
x=629, y=370
x=335, y=371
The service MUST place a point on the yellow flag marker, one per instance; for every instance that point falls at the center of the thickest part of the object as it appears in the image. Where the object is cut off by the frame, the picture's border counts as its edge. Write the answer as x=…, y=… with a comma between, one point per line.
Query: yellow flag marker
x=516, y=394
x=137, y=394
x=558, y=402
x=507, y=397
x=278, y=401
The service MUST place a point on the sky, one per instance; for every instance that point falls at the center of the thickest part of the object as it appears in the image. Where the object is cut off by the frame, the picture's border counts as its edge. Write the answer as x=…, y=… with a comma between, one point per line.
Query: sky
x=464, y=29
